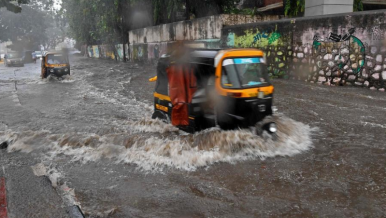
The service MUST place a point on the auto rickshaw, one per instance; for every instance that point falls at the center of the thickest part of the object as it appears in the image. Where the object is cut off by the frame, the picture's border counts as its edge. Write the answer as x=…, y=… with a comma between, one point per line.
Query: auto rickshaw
x=201, y=89
x=55, y=63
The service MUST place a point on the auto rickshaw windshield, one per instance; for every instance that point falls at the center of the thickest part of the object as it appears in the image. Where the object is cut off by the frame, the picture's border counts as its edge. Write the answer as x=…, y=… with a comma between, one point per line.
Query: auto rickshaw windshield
x=56, y=59
x=240, y=73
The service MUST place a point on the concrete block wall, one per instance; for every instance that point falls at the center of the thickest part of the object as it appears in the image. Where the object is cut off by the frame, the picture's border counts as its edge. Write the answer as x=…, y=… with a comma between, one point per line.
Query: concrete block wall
x=148, y=44
x=344, y=49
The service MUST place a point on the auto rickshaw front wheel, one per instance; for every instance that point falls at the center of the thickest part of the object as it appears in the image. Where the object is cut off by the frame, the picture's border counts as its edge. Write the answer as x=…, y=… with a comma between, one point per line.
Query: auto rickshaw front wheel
x=161, y=115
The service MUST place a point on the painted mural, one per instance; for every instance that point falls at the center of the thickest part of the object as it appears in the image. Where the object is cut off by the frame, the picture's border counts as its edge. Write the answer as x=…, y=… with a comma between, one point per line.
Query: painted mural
x=140, y=52
x=156, y=50
x=90, y=51
x=104, y=51
x=260, y=38
x=95, y=51
x=338, y=59
x=119, y=49
x=277, y=47
x=346, y=50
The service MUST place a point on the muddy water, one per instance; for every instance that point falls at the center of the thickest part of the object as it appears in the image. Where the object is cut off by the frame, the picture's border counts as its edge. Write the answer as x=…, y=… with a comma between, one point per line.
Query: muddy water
x=93, y=131
x=150, y=144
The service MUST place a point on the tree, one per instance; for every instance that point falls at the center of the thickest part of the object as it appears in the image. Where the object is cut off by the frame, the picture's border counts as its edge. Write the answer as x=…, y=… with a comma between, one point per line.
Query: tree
x=164, y=11
x=294, y=8
x=82, y=21
x=25, y=29
x=37, y=24
x=12, y=7
x=358, y=5
x=104, y=21
x=108, y=21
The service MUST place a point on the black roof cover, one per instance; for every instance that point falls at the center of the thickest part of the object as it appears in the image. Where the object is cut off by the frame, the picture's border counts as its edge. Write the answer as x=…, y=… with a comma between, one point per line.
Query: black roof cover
x=194, y=56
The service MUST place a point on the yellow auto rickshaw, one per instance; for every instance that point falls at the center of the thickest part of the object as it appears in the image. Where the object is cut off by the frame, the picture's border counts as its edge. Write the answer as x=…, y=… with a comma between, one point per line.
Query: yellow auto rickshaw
x=55, y=63
x=200, y=89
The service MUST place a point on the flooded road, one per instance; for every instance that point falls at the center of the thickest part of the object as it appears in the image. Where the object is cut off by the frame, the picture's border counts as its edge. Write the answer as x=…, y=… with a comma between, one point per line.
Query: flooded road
x=89, y=137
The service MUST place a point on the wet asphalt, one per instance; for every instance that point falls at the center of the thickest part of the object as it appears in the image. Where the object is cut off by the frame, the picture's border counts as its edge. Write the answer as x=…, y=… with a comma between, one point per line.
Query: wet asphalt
x=342, y=175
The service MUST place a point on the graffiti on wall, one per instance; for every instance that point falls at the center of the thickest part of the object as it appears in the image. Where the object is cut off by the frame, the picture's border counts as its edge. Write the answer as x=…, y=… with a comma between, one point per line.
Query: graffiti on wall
x=338, y=59
x=119, y=49
x=139, y=52
x=332, y=58
x=90, y=51
x=276, y=47
x=95, y=51
x=156, y=50
x=256, y=38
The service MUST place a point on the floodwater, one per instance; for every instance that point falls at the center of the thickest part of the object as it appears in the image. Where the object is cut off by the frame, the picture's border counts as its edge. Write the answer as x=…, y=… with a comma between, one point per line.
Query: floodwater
x=92, y=133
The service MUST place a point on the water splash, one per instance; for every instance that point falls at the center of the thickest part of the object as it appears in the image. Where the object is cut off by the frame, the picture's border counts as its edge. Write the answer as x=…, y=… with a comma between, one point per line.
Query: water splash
x=153, y=145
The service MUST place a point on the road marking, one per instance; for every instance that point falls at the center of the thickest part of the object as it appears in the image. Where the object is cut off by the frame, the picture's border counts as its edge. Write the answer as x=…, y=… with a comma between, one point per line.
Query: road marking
x=3, y=199
x=15, y=99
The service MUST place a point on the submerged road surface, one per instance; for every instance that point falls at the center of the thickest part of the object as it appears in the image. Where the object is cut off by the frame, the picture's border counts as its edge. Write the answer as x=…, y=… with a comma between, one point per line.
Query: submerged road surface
x=86, y=141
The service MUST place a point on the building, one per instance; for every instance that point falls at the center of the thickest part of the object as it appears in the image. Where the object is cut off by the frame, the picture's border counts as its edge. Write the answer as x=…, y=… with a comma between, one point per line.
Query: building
x=320, y=7
x=373, y=4
x=266, y=6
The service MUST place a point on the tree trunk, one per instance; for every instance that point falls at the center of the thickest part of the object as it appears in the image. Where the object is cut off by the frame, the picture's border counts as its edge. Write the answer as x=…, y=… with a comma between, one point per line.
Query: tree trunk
x=187, y=7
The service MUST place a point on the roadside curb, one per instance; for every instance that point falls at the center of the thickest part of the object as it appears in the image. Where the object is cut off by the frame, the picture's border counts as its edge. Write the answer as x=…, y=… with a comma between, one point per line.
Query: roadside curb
x=64, y=192
x=74, y=212
x=3, y=199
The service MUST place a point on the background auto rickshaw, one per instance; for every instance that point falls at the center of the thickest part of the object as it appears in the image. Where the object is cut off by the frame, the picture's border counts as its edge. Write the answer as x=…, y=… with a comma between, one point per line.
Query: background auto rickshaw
x=55, y=63
x=200, y=89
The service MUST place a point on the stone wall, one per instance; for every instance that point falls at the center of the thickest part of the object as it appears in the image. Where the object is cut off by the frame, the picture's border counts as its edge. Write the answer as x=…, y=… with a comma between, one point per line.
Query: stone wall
x=344, y=49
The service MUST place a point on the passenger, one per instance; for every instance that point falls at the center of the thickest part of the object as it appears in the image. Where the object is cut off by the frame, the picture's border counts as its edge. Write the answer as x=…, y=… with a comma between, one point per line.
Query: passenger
x=34, y=57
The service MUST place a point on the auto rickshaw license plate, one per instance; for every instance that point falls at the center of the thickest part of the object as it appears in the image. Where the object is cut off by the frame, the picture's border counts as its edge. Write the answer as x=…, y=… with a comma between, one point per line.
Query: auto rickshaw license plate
x=260, y=95
x=262, y=108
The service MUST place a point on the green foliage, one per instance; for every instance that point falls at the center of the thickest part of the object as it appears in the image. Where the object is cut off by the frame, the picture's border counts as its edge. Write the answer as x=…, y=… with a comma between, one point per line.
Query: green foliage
x=97, y=21
x=294, y=8
x=107, y=21
x=26, y=28
x=164, y=11
x=358, y=5
x=12, y=7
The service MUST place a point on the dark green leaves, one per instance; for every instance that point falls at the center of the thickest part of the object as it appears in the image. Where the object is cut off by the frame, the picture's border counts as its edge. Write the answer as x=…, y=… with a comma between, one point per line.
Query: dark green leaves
x=12, y=7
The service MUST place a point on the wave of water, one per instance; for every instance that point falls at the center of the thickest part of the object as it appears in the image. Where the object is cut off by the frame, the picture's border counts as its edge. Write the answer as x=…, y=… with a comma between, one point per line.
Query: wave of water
x=153, y=145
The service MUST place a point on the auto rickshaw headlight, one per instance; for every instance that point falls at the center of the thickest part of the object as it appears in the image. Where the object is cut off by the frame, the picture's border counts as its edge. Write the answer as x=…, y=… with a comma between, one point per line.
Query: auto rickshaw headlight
x=272, y=127
x=66, y=70
x=52, y=70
